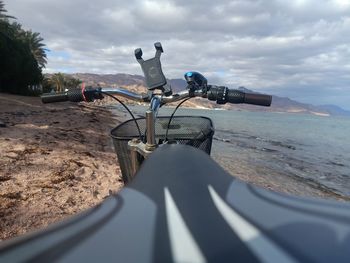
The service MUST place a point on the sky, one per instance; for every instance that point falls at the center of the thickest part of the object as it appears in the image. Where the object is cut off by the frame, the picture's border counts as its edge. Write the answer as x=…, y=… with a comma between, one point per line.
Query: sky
x=298, y=48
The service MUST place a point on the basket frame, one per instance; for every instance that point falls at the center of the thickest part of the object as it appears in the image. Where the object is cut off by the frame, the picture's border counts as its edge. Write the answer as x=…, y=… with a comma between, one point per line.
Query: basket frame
x=127, y=157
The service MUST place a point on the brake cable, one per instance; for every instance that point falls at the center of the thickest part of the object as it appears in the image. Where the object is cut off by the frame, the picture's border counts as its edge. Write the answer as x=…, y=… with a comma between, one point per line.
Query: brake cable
x=132, y=115
x=172, y=115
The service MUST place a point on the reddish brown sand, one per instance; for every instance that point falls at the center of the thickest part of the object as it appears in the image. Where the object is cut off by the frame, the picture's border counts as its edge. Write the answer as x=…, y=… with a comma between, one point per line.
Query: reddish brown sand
x=55, y=160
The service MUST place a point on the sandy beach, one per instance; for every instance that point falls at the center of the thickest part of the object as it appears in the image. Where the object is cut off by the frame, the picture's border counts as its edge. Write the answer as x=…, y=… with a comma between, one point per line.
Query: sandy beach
x=55, y=160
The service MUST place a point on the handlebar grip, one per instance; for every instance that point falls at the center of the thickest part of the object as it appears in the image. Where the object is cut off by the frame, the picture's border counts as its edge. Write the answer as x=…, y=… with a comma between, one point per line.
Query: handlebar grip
x=54, y=97
x=234, y=96
x=74, y=95
x=258, y=99
x=222, y=95
x=237, y=96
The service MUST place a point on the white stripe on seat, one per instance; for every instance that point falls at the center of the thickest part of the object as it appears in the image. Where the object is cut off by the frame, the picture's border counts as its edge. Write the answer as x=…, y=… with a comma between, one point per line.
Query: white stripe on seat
x=264, y=248
x=183, y=246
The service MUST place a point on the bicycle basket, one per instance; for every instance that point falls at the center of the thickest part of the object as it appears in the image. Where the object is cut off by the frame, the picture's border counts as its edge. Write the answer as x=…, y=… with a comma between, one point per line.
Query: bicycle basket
x=196, y=131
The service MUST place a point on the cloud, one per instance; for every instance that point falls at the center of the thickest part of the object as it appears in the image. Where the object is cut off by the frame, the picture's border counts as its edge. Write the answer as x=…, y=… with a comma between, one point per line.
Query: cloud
x=285, y=47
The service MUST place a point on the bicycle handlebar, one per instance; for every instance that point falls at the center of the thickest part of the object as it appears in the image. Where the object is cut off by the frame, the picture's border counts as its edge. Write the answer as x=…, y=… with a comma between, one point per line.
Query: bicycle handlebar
x=219, y=94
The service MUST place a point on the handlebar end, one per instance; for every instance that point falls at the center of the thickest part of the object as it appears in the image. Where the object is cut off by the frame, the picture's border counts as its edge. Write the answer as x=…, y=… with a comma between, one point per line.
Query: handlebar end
x=53, y=97
x=258, y=99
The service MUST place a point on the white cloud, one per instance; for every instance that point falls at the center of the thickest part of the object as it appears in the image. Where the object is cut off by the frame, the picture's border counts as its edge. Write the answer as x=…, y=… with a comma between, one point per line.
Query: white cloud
x=288, y=47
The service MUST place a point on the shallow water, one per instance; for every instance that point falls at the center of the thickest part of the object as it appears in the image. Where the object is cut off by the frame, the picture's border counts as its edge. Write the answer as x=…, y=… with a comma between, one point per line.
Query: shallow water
x=311, y=148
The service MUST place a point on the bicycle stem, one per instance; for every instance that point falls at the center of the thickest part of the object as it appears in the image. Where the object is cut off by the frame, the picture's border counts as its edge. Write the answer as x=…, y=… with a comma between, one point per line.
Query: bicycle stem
x=151, y=115
x=150, y=126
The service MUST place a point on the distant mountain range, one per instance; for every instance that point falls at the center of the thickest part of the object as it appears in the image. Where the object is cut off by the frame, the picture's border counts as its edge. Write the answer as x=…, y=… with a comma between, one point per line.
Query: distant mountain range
x=279, y=104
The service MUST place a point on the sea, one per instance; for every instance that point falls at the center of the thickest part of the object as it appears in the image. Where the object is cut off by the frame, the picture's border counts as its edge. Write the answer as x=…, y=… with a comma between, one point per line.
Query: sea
x=313, y=149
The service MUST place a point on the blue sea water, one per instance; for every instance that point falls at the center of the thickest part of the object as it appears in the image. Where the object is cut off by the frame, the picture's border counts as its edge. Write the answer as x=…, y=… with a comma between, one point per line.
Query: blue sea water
x=312, y=148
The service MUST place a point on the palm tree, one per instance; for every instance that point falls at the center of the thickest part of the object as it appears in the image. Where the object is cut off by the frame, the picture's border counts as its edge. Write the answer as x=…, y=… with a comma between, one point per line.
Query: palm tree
x=22, y=56
x=4, y=21
x=3, y=16
x=71, y=82
x=57, y=80
x=34, y=41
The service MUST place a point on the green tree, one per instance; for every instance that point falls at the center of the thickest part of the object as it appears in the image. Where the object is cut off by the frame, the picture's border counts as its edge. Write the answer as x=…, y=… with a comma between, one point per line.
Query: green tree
x=22, y=56
x=4, y=21
x=3, y=16
x=59, y=82
x=34, y=41
x=71, y=82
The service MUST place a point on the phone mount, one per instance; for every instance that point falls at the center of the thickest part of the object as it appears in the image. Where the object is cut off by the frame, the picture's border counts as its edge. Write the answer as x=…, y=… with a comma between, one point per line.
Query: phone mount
x=152, y=70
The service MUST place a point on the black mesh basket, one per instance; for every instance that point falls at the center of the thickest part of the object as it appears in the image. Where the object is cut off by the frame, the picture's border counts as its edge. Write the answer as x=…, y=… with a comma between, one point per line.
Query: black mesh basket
x=196, y=131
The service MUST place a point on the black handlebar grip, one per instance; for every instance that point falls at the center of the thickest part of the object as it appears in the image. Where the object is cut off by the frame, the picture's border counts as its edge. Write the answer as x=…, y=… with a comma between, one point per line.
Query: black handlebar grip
x=54, y=97
x=235, y=96
x=75, y=95
x=258, y=99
